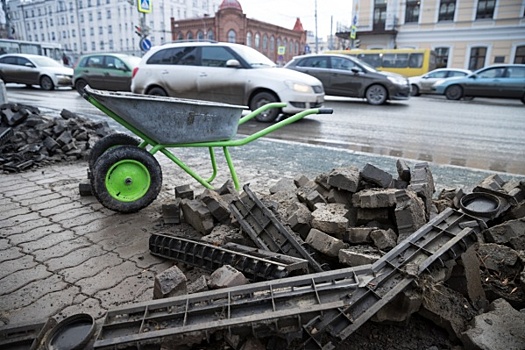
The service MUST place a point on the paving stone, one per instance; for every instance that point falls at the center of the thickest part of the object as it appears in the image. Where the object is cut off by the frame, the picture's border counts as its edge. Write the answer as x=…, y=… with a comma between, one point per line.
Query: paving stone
x=35, y=233
x=11, y=254
x=58, y=206
x=16, y=221
x=14, y=212
x=20, y=278
x=47, y=241
x=10, y=265
x=127, y=290
x=32, y=292
x=91, y=267
x=107, y=278
x=67, y=253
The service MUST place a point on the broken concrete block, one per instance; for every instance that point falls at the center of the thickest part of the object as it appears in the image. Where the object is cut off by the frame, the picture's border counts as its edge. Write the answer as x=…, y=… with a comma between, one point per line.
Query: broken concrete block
x=492, y=182
x=381, y=215
x=422, y=183
x=313, y=198
x=339, y=196
x=376, y=176
x=322, y=180
x=301, y=220
x=375, y=198
x=216, y=205
x=403, y=170
x=465, y=278
x=384, y=239
x=409, y=213
x=199, y=285
x=400, y=308
x=506, y=232
x=197, y=215
x=324, y=243
x=358, y=255
x=502, y=328
x=184, y=191
x=300, y=180
x=358, y=235
x=330, y=218
x=345, y=178
x=226, y=276
x=169, y=283
x=223, y=234
x=283, y=184
x=171, y=212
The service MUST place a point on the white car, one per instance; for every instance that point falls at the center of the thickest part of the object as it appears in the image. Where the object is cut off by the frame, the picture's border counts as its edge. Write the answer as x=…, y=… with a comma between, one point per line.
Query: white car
x=34, y=70
x=423, y=84
x=227, y=73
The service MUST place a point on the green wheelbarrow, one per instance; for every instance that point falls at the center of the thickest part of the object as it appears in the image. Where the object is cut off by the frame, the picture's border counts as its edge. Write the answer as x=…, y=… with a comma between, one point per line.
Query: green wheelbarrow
x=126, y=177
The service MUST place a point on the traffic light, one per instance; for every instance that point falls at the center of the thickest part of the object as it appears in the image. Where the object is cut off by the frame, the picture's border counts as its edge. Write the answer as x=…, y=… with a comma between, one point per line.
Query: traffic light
x=357, y=43
x=142, y=31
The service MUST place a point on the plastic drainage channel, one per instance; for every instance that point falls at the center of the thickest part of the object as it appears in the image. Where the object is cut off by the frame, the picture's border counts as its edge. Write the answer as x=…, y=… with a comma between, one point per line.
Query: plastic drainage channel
x=256, y=265
x=326, y=306
x=266, y=231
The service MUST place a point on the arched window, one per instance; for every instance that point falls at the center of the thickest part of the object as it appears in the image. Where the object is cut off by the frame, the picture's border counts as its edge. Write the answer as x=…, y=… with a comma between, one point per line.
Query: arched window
x=257, y=40
x=180, y=36
x=200, y=35
x=232, y=36
x=272, y=44
x=189, y=36
x=211, y=35
x=249, y=39
x=265, y=43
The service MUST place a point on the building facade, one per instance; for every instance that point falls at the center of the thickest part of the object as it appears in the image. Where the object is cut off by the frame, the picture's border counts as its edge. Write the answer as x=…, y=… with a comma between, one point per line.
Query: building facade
x=467, y=34
x=230, y=24
x=85, y=26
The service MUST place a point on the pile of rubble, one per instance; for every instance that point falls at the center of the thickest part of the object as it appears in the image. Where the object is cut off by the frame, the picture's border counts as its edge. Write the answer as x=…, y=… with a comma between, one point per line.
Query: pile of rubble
x=29, y=139
x=352, y=246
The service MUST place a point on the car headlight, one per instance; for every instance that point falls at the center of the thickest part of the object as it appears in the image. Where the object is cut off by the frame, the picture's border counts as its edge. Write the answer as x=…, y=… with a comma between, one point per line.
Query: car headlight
x=62, y=76
x=398, y=80
x=299, y=87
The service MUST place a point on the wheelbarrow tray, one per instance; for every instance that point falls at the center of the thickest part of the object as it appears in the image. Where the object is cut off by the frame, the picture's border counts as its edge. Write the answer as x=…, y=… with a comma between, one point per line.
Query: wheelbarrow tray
x=169, y=120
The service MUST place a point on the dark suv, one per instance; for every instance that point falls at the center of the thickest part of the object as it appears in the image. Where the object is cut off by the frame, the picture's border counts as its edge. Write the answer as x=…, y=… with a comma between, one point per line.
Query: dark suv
x=347, y=76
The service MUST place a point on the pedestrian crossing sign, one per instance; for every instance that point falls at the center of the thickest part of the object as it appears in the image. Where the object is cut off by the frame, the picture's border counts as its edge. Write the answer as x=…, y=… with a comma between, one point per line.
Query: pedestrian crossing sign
x=144, y=6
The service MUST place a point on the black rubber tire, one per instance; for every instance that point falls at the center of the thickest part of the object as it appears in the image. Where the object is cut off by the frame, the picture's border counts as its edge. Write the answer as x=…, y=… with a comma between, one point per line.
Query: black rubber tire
x=46, y=83
x=108, y=142
x=157, y=91
x=523, y=99
x=80, y=84
x=261, y=99
x=104, y=166
x=414, y=90
x=454, y=92
x=376, y=94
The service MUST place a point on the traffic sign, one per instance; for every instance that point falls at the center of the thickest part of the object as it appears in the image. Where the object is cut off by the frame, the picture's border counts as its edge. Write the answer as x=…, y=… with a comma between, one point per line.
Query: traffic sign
x=281, y=50
x=145, y=44
x=144, y=6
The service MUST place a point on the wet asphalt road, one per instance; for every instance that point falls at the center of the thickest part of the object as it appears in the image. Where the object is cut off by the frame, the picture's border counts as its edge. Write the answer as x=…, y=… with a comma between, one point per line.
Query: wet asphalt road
x=479, y=134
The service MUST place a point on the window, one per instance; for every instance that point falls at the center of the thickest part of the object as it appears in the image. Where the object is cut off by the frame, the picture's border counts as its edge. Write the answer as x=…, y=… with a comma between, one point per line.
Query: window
x=516, y=72
x=485, y=9
x=520, y=55
x=99, y=15
x=177, y=56
x=232, y=36
x=272, y=44
x=108, y=14
x=211, y=35
x=257, y=40
x=477, y=58
x=447, y=8
x=110, y=29
x=412, y=11
x=314, y=62
x=342, y=63
x=492, y=73
x=392, y=60
x=189, y=36
x=249, y=39
x=200, y=35
x=379, y=15
x=441, y=57
x=265, y=42
x=215, y=56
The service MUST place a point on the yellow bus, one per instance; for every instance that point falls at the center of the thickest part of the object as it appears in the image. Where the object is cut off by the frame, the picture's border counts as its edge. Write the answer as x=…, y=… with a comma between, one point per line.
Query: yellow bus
x=407, y=62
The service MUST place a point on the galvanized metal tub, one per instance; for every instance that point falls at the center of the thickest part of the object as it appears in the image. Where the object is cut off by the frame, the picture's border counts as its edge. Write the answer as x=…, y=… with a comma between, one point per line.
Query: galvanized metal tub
x=169, y=120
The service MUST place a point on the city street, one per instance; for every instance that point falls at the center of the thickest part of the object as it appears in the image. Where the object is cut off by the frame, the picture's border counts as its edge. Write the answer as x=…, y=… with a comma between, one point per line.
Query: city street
x=481, y=134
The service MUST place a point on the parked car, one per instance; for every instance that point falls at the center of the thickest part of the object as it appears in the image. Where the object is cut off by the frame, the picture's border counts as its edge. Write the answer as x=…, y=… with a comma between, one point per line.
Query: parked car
x=497, y=81
x=422, y=84
x=225, y=72
x=34, y=70
x=107, y=71
x=343, y=75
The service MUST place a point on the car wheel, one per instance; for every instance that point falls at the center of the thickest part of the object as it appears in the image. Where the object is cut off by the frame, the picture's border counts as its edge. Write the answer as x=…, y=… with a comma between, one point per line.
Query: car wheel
x=80, y=84
x=376, y=94
x=46, y=83
x=454, y=92
x=126, y=179
x=157, y=91
x=414, y=90
x=261, y=99
x=523, y=99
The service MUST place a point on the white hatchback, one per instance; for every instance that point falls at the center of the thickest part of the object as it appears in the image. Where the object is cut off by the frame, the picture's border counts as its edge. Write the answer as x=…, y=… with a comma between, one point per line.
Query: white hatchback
x=227, y=73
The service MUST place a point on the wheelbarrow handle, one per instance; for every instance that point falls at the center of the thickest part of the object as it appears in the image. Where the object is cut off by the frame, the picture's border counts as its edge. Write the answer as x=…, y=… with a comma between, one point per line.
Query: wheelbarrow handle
x=325, y=111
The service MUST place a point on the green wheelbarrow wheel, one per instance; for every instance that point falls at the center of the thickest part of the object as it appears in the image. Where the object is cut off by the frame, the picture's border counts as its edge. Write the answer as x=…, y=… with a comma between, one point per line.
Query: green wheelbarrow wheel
x=126, y=179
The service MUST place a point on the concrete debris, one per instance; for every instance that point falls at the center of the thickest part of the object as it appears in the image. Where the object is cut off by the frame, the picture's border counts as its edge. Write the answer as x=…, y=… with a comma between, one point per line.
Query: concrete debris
x=39, y=140
x=226, y=276
x=169, y=283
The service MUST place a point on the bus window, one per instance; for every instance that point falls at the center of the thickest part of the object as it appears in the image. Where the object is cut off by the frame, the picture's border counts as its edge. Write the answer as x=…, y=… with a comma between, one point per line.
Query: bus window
x=392, y=60
x=415, y=60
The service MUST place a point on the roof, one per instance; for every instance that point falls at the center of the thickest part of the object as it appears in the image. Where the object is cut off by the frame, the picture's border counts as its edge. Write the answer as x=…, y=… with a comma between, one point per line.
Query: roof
x=230, y=4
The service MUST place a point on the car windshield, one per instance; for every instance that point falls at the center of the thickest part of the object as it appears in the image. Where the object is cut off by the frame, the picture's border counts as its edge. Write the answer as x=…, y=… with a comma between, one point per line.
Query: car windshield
x=43, y=61
x=254, y=58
